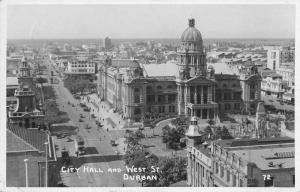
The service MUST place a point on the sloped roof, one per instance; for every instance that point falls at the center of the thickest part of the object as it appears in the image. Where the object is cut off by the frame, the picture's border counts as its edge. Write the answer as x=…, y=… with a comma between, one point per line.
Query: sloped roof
x=16, y=144
x=165, y=69
x=34, y=137
x=221, y=68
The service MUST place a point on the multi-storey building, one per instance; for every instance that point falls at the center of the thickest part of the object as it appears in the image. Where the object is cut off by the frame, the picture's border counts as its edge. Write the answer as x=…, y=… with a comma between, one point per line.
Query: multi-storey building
x=26, y=114
x=279, y=56
x=80, y=66
x=239, y=162
x=107, y=44
x=272, y=85
x=185, y=87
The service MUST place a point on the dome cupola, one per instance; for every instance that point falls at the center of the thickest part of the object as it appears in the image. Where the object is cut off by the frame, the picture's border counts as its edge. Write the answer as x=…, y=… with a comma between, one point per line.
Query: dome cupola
x=191, y=34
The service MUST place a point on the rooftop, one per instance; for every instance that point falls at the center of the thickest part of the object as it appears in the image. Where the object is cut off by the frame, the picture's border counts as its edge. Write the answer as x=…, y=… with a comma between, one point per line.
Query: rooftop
x=252, y=142
x=222, y=68
x=33, y=137
x=16, y=144
x=159, y=70
x=269, y=158
x=10, y=81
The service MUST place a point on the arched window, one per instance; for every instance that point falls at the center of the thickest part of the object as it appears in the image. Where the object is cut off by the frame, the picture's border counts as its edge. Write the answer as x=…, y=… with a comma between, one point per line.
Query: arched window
x=224, y=85
x=136, y=90
x=159, y=87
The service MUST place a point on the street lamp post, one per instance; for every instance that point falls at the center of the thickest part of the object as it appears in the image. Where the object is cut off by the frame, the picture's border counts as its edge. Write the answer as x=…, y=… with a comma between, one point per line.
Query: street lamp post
x=46, y=177
x=26, y=171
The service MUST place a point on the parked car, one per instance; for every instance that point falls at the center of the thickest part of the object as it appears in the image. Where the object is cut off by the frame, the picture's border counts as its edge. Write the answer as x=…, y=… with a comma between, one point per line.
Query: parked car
x=81, y=120
x=81, y=115
x=113, y=143
x=81, y=152
x=86, y=109
x=93, y=116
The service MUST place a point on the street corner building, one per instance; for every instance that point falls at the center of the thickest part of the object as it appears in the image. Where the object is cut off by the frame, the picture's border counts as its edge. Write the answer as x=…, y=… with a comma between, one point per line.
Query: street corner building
x=254, y=162
x=188, y=86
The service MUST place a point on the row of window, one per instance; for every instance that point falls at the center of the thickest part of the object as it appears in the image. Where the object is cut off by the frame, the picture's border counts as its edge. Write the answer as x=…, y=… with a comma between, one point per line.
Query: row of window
x=163, y=109
x=82, y=65
x=221, y=173
x=228, y=96
x=236, y=106
x=161, y=98
x=83, y=70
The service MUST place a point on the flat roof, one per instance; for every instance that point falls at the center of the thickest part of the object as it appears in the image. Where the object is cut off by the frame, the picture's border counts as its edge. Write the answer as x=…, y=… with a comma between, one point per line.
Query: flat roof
x=252, y=142
x=11, y=81
x=269, y=158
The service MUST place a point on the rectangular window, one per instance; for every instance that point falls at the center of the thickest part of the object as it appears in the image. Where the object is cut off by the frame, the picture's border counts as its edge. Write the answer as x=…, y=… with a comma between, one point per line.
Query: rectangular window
x=222, y=171
x=236, y=106
x=217, y=168
x=233, y=180
x=136, y=99
x=252, y=95
x=237, y=95
x=160, y=98
x=228, y=175
x=227, y=106
x=241, y=183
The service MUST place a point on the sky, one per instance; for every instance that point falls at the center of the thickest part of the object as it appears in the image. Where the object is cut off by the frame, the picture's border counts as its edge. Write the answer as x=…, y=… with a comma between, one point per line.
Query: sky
x=149, y=21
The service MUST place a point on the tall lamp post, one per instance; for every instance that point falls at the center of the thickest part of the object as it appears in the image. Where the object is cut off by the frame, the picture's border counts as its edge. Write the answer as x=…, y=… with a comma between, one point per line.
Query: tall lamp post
x=46, y=177
x=26, y=171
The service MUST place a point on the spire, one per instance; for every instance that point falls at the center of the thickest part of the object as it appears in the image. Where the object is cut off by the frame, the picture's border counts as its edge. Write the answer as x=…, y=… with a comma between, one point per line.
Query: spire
x=192, y=22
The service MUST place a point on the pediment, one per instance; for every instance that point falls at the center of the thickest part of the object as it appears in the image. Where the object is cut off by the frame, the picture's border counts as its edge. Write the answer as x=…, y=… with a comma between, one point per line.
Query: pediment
x=200, y=80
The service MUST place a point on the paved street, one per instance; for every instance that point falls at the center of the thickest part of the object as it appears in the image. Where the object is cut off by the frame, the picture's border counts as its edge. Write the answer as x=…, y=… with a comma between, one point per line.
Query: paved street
x=99, y=152
x=269, y=100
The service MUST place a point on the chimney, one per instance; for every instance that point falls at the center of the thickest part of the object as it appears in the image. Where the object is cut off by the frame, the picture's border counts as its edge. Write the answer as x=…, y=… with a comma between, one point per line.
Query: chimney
x=191, y=22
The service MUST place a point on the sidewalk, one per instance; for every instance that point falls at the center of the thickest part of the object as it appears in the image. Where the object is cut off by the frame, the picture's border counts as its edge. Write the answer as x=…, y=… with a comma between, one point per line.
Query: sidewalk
x=103, y=112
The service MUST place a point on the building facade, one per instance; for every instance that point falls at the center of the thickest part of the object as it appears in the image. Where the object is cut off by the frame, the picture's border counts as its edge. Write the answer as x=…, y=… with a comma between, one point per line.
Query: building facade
x=80, y=66
x=184, y=87
x=280, y=55
x=239, y=163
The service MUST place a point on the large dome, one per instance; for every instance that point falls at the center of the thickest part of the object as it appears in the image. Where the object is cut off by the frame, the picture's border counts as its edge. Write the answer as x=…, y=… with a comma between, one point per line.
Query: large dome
x=191, y=34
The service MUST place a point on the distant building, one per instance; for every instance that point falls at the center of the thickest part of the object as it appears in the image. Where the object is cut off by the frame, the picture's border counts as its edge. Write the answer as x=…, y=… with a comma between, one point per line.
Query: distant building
x=107, y=44
x=239, y=162
x=279, y=56
x=80, y=67
x=272, y=85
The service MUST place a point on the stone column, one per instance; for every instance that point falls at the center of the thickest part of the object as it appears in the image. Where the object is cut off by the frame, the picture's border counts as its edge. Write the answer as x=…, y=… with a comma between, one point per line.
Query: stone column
x=201, y=94
x=209, y=94
x=188, y=99
x=195, y=96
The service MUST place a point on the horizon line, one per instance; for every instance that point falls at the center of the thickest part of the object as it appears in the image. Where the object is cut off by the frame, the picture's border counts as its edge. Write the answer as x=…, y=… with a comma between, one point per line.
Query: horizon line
x=148, y=38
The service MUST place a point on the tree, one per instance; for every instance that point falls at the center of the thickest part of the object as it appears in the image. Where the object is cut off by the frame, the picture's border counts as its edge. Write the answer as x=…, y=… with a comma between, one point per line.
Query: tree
x=225, y=133
x=41, y=80
x=211, y=122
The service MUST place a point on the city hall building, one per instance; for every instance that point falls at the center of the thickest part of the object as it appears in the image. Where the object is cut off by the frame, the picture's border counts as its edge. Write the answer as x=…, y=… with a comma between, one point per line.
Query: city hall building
x=185, y=87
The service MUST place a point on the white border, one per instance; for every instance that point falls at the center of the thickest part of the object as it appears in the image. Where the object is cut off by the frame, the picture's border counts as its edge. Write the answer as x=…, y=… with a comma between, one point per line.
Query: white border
x=3, y=7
